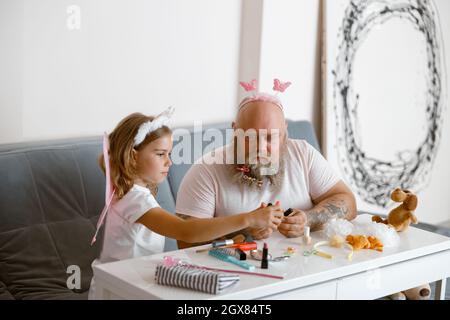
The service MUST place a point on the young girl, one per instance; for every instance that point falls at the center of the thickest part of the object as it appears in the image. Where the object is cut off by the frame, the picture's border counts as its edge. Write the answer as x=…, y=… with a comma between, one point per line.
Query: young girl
x=139, y=159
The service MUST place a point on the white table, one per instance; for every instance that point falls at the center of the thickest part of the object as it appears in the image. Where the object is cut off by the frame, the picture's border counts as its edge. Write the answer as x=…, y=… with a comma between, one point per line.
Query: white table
x=421, y=257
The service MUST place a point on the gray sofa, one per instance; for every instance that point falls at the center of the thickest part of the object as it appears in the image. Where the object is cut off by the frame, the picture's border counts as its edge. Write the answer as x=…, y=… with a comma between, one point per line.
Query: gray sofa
x=51, y=193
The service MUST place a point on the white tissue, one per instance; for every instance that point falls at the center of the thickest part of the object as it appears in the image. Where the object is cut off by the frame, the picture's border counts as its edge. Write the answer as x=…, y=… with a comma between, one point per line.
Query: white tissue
x=341, y=227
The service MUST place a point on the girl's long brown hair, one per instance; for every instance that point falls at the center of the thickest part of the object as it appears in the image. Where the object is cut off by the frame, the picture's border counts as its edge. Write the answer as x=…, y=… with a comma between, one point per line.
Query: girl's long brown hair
x=122, y=162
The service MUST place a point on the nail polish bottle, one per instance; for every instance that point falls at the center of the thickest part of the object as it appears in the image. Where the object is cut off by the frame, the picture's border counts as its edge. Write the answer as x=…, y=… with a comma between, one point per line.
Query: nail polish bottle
x=265, y=261
x=306, y=236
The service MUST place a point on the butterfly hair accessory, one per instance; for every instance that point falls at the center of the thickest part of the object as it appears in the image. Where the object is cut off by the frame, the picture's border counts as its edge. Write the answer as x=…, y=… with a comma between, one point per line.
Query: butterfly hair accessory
x=278, y=86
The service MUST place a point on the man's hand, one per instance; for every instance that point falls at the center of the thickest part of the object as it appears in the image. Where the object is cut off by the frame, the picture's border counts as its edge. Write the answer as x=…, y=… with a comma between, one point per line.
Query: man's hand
x=293, y=226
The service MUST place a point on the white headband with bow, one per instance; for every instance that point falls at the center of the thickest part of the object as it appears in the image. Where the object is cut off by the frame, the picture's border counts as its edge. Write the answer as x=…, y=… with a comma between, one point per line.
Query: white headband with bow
x=158, y=122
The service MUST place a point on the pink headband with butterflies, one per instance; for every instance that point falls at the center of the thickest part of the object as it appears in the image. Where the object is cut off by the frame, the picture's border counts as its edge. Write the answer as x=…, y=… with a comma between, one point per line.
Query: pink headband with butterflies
x=278, y=86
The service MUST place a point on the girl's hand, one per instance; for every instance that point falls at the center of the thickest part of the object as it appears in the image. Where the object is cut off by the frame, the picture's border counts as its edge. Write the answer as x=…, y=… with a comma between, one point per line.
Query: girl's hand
x=266, y=217
x=260, y=234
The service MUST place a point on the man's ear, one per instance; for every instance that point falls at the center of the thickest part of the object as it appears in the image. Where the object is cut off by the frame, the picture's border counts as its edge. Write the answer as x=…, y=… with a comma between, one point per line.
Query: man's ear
x=286, y=134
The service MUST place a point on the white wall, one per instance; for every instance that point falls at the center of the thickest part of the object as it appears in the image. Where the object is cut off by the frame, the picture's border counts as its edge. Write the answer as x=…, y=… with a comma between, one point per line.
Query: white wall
x=143, y=56
x=11, y=25
x=290, y=51
x=282, y=39
x=128, y=56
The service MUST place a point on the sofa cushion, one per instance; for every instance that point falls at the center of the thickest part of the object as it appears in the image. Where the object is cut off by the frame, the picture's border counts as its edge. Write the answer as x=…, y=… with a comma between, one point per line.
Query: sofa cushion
x=50, y=200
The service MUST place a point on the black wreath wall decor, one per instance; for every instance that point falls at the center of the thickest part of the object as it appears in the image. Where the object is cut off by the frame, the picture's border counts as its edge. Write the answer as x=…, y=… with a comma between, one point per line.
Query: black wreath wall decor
x=374, y=179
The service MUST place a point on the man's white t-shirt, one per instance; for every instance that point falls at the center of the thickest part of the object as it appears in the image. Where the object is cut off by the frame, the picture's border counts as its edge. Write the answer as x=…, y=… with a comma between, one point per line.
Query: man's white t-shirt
x=207, y=190
x=125, y=238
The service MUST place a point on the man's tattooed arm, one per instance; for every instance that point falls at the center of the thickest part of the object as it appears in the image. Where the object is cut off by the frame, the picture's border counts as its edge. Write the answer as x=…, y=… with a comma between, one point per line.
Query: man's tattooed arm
x=338, y=206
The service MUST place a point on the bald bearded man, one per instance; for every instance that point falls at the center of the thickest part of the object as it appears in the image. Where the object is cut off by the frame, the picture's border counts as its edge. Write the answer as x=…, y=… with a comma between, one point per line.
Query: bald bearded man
x=302, y=178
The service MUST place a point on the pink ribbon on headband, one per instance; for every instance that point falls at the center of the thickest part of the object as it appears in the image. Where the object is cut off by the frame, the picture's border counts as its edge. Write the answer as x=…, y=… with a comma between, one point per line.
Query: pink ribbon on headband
x=109, y=190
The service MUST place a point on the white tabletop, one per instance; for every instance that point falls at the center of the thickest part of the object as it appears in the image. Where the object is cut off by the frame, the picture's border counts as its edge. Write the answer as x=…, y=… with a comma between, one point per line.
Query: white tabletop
x=137, y=275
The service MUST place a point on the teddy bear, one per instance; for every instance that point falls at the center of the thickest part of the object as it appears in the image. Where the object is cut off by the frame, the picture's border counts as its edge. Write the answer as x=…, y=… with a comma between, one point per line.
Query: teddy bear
x=422, y=292
x=402, y=216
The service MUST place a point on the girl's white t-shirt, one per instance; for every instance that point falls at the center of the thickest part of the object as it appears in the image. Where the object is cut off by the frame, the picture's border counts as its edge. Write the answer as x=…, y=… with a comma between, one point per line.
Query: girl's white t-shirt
x=124, y=238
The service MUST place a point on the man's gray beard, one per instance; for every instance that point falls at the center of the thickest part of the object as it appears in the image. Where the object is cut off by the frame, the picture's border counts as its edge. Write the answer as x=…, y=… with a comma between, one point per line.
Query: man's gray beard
x=260, y=172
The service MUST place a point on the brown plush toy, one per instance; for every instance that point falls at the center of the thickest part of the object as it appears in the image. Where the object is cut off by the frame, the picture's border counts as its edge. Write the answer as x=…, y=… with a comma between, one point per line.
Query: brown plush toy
x=422, y=292
x=401, y=217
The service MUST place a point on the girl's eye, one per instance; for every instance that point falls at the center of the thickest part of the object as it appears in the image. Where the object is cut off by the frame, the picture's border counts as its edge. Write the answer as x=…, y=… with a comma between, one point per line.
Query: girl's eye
x=160, y=154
